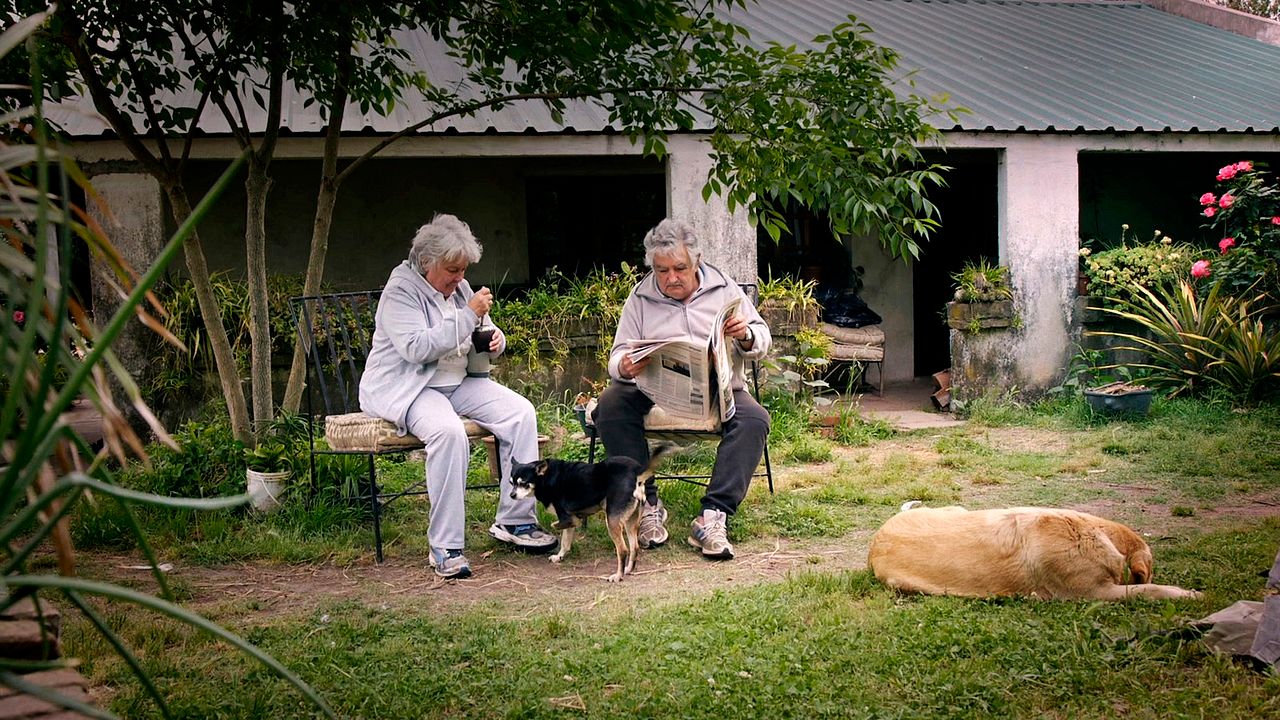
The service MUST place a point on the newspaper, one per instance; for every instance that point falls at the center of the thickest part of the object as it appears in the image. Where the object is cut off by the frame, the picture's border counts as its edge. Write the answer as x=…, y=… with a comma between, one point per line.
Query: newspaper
x=689, y=378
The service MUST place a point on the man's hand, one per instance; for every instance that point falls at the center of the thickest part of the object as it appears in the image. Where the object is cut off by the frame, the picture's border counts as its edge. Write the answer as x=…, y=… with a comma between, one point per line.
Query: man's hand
x=496, y=341
x=735, y=326
x=481, y=302
x=629, y=370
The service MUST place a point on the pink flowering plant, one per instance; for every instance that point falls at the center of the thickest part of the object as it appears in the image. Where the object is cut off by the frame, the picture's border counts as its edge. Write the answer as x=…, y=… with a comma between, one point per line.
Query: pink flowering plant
x=1243, y=211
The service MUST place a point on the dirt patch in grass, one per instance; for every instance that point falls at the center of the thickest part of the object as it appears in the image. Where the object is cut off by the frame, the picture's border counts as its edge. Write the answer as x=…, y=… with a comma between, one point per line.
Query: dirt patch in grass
x=518, y=584
x=522, y=583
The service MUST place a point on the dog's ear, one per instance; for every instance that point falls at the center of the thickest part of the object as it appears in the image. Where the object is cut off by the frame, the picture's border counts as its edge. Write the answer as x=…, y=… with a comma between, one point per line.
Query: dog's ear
x=1140, y=566
x=543, y=467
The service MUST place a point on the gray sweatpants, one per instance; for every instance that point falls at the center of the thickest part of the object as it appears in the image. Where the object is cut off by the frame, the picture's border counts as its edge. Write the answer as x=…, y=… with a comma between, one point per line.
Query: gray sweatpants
x=433, y=418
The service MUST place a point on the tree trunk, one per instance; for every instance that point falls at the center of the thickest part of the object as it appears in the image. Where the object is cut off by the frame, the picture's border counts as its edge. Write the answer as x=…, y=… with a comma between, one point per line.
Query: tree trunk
x=326, y=200
x=225, y=360
x=257, y=185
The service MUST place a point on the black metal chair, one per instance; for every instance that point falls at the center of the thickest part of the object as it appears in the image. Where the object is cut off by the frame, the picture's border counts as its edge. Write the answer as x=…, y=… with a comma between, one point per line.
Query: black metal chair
x=336, y=332
x=687, y=435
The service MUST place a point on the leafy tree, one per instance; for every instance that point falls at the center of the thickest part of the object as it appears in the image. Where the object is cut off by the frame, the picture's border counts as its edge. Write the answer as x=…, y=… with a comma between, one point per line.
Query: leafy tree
x=821, y=126
x=1262, y=8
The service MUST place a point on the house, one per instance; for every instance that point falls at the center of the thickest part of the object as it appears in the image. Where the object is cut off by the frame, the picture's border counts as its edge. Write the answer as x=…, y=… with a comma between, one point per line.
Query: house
x=1081, y=116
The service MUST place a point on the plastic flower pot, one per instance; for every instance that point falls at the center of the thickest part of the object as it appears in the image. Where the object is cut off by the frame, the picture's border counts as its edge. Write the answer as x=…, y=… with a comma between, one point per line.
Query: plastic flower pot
x=265, y=488
x=1119, y=398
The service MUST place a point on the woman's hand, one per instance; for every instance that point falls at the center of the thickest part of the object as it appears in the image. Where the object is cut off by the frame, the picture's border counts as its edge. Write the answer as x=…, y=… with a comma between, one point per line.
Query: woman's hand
x=481, y=302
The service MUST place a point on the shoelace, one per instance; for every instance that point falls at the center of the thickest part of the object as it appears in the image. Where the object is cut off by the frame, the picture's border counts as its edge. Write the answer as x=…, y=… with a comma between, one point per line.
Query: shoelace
x=715, y=531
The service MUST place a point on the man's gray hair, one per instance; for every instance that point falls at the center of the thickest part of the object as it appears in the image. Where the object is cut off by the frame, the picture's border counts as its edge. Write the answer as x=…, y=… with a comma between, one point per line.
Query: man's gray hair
x=667, y=237
x=444, y=238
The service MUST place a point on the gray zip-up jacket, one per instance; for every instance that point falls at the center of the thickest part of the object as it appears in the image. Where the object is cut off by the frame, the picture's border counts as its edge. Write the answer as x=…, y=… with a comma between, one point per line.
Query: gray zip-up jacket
x=410, y=335
x=650, y=314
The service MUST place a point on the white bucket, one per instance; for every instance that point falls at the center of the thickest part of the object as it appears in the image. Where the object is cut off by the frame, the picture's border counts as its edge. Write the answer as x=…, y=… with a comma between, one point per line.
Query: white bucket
x=265, y=488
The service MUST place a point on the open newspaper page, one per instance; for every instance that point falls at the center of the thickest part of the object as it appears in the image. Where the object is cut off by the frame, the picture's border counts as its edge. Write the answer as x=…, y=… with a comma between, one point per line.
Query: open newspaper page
x=722, y=367
x=676, y=378
x=685, y=376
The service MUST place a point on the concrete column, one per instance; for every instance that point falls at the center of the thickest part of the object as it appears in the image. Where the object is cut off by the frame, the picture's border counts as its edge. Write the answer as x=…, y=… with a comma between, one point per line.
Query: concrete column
x=131, y=214
x=728, y=238
x=1039, y=242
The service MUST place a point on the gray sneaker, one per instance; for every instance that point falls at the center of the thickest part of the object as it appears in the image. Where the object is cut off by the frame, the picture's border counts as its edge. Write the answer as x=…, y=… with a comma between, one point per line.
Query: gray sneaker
x=653, y=525
x=528, y=537
x=710, y=534
x=450, y=564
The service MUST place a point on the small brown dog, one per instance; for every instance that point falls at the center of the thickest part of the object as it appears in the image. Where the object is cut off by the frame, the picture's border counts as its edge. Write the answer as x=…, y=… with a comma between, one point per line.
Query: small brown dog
x=1030, y=551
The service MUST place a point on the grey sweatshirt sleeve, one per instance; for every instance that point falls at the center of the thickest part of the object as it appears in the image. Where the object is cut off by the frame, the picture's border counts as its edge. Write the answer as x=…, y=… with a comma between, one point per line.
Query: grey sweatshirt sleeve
x=402, y=315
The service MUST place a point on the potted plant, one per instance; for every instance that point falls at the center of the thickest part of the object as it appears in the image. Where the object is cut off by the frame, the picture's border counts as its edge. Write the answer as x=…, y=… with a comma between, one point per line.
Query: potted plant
x=1119, y=398
x=983, y=297
x=268, y=468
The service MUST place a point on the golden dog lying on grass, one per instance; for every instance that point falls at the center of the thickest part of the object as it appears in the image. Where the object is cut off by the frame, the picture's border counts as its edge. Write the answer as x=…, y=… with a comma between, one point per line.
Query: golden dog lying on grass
x=1030, y=551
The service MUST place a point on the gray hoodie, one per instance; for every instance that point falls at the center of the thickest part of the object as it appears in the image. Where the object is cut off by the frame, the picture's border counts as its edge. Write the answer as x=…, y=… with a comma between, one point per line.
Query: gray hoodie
x=650, y=314
x=410, y=335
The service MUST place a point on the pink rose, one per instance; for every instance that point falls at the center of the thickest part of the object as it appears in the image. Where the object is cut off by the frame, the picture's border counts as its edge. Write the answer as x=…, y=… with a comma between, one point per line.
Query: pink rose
x=19, y=316
x=1226, y=173
x=1200, y=269
x=1275, y=220
x=1226, y=244
x=1226, y=201
x=1244, y=166
x=1208, y=199
x=1209, y=211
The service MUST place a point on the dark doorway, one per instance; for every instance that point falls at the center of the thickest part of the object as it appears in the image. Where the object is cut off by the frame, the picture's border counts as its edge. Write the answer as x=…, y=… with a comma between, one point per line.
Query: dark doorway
x=580, y=222
x=970, y=230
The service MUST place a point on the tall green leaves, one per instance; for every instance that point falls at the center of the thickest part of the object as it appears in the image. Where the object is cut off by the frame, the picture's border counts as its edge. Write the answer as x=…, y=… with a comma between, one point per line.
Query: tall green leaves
x=53, y=355
x=1194, y=342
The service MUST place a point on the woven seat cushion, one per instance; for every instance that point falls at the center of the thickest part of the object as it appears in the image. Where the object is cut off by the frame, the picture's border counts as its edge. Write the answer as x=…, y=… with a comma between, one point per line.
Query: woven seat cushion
x=358, y=431
x=864, y=353
x=868, y=335
x=661, y=421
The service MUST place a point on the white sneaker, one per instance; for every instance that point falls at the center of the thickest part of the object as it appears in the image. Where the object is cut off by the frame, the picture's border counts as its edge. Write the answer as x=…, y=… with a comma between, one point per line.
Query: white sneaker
x=528, y=537
x=450, y=564
x=653, y=525
x=710, y=534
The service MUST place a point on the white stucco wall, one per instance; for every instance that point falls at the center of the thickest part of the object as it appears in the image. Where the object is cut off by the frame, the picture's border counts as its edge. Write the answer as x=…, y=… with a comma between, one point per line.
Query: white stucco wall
x=729, y=239
x=1039, y=219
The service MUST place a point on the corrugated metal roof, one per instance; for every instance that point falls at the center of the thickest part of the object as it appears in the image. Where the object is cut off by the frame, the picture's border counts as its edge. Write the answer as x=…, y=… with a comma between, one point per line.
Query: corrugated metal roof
x=1017, y=65
x=1067, y=66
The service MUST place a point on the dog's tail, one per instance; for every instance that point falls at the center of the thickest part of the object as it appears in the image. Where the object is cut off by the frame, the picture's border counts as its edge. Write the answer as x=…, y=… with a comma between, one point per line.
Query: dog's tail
x=656, y=455
x=910, y=504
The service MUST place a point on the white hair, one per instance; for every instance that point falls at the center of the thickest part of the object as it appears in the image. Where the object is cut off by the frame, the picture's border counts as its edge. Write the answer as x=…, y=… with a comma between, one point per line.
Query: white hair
x=444, y=238
x=667, y=237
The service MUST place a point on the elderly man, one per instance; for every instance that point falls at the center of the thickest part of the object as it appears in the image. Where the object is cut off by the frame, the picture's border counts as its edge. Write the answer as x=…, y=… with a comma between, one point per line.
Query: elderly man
x=681, y=297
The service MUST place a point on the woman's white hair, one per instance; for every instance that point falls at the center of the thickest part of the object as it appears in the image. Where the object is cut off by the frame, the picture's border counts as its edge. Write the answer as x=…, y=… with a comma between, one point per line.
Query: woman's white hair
x=667, y=237
x=444, y=238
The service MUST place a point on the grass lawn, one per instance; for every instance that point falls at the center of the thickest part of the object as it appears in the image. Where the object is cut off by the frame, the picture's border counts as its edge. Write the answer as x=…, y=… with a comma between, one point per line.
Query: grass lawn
x=794, y=627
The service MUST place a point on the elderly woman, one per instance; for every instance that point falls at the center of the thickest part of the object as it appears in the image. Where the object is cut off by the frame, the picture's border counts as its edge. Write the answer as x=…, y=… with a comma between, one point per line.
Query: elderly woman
x=423, y=372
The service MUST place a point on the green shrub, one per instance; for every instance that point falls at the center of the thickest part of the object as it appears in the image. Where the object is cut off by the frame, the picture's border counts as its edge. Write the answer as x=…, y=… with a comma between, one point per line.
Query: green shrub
x=209, y=462
x=1114, y=272
x=177, y=376
x=538, y=324
x=1194, y=342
